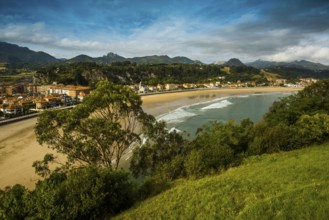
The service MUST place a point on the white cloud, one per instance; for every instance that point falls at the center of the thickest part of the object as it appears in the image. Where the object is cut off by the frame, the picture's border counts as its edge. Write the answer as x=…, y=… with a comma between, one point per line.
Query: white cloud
x=177, y=36
x=315, y=53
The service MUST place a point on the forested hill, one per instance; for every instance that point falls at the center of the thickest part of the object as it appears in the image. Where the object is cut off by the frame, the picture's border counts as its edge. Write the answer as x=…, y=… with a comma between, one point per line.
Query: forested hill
x=14, y=54
x=301, y=64
x=155, y=59
x=150, y=74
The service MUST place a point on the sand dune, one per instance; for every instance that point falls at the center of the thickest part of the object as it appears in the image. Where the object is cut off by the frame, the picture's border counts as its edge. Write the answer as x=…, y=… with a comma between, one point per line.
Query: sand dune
x=19, y=147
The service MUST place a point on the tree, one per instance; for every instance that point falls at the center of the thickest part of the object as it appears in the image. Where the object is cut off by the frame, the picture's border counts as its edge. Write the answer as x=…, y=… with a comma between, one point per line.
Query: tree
x=84, y=193
x=218, y=146
x=13, y=202
x=313, y=129
x=312, y=100
x=161, y=155
x=98, y=131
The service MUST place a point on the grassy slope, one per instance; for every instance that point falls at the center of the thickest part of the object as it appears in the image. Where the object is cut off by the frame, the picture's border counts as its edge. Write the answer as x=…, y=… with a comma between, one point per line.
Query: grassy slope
x=288, y=185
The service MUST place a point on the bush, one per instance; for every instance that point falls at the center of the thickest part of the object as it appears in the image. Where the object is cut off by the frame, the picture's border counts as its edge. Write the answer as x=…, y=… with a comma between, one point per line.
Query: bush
x=13, y=202
x=162, y=155
x=218, y=146
x=313, y=129
x=85, y=193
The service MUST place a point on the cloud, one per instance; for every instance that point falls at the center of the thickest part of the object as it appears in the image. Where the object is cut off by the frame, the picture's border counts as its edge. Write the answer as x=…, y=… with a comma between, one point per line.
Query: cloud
x=313, y=53
x=209, y=30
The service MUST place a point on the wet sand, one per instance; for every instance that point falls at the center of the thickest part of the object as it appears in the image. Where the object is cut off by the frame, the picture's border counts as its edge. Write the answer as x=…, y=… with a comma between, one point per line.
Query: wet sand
x=19, y=147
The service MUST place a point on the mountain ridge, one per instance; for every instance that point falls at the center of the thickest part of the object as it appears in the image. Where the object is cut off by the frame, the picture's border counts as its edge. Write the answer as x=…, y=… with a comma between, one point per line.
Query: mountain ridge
x=12, y=53
x=15, y=54
x=301, y=64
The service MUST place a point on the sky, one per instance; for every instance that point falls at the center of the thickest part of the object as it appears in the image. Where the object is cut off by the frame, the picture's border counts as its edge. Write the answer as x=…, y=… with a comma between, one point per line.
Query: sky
x=205, y=30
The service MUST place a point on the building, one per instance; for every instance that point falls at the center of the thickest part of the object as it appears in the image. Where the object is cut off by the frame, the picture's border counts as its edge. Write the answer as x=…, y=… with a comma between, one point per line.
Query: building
x=280, y=82
x=171, y=86
x=69, y=90
x=43, y=90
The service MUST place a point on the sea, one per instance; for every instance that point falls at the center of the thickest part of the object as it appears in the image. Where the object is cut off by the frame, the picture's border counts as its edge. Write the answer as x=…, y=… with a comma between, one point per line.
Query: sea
x=189, y=118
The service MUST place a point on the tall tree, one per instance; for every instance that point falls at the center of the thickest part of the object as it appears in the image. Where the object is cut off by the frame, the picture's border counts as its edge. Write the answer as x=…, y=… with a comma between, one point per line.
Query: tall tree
x=98, y=131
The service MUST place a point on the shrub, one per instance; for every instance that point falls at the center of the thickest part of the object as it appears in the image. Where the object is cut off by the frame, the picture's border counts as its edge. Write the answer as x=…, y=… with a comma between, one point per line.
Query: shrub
x=85, y=193
x=13, y=202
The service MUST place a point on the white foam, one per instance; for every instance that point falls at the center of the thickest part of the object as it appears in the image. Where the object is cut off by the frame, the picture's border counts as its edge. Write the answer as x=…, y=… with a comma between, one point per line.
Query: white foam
x=242, y=96
x=218, y=105
x=174, y=129
x=177, y=115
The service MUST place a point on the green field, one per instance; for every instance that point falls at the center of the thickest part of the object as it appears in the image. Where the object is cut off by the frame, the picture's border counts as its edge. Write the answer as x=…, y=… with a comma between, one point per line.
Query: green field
x=15, y=78
x=287, y=185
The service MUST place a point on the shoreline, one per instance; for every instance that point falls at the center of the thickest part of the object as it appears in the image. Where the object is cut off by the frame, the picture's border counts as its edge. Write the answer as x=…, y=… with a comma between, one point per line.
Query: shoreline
x=159, y=104
x=19, y=147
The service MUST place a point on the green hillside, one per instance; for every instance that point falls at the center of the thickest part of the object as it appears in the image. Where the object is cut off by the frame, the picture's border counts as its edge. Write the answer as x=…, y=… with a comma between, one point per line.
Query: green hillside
x=287, y=185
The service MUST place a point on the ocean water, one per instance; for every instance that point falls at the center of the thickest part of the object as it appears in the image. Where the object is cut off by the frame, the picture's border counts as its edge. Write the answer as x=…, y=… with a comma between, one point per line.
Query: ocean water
x=191, y=117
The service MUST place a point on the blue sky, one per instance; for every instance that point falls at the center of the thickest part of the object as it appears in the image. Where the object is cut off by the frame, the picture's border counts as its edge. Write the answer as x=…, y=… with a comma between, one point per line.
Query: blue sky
x=207, y=30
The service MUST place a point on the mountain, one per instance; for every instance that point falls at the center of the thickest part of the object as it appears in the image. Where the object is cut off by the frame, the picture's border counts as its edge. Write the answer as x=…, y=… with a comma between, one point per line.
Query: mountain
x=14, y=54
x=81, y=58
x=155, y=59
x=302, y=64
x=233, y=62
x=110, y=58
x=310, y=65
x=164, y=59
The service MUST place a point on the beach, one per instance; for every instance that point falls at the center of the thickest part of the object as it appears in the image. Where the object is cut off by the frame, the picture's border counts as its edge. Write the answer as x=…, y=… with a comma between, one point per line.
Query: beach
x=19, y=147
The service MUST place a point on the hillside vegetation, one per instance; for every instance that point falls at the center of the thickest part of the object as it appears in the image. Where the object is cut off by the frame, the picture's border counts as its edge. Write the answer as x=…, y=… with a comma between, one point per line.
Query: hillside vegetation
x=288, y=185
x=245, y=185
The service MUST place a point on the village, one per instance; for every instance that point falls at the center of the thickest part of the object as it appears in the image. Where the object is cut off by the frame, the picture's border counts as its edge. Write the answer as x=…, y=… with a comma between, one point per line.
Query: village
x=25, y=98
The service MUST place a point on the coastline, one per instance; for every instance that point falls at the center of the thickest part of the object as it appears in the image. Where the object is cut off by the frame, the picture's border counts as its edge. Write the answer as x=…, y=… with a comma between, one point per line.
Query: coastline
x=159, y=104
x=19, y=147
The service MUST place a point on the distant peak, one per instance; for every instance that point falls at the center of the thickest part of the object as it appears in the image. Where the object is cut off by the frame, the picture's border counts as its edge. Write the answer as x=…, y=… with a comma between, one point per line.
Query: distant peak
x=234, y=62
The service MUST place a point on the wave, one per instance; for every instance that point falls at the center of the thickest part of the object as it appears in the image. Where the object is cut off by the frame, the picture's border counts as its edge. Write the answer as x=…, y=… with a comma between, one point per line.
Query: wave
x=176, y=116
x=218, y=105
x=174, y=129
x=241, y=96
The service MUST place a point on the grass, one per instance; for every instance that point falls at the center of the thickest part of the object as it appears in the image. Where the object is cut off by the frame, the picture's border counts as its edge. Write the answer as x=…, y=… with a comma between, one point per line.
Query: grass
x=288, y=185
x=268, y=75
x=226, y=69
x=14, y=78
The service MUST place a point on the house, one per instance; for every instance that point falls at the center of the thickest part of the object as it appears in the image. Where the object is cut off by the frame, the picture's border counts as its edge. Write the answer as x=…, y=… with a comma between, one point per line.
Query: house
x=152, y=88
x=307, y=81
x=160, y=87
x=134, y=87
x=171, y=86
x=41, y=104
x=30, y=88
x=14, y=89
x=142, y=88
x=280, y=82
x=189, y=86
x=11, y=109
x=81, y=96
x=70, y=90
x=44, y=89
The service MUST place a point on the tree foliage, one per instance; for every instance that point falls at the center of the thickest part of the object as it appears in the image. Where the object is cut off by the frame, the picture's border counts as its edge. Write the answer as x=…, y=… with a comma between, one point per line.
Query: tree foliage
x=162, y=154
x=14, y=202
x=84, y=193
x=98, y=131
x=312, y=100
x=218, y=146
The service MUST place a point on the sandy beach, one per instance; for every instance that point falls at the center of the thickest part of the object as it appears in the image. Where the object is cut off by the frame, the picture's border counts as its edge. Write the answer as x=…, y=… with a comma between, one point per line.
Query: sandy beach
x=19, y=147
